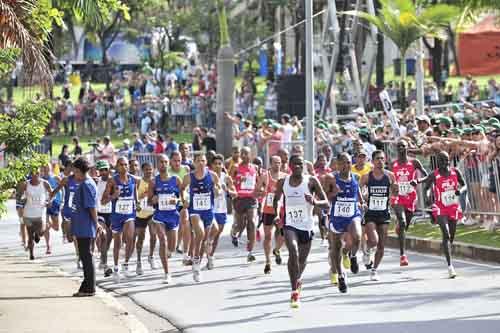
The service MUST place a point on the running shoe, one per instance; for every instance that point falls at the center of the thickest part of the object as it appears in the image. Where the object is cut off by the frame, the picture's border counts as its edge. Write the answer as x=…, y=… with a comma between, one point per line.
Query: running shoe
x=374, y=276
x=152, y=263
x=138, y=269
x=277, y=255
x=354, y=265
x=48, y=252
x=167, y=279
x=108, y=272
x=267, y=269
x=299, y=286
x=403, y=261
x=116, y=276
x=294, y=300
x=187, y=261
x=196, y=271
x=334, y=278
x=250, y=257
x=234, y=240
x=324, y=243
x=32, y=257
x=178, y=250
x=125, y=269
x=210, y=263
x=343, y=283
x=366, y=258
x=346, y=262
x=37, y=238
x=451, y=272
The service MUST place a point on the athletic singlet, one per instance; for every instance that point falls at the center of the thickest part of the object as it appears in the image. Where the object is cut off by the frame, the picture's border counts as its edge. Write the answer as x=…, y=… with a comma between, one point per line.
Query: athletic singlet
x=298, y=212
x=445, y=188
x=220, y=202
x=181, y=174
x=201, y=194
x=69, y=193
x=146, y=210
x=124, y=206
x=52, y=180
x=245, y=179
x=166, y=191
x=345, y=204
x=101, y=187
x=404, y=174
x=36, y=200
x=270, y=192
x=378, y=197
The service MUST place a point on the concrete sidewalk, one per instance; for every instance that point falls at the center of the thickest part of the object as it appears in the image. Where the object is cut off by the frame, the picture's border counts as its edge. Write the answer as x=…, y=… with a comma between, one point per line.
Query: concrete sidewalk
x=37, y=298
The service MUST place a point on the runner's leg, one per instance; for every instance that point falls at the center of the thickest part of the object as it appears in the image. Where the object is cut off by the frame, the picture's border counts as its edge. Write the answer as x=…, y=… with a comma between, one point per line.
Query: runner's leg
x=128, y=234
x=402, y=226
x=444, y=225
x=215, y=241
x=161, y=233
x=268, y=242
x=140, y=234
x=291, y=241
x=152, y=238
x=382, y=236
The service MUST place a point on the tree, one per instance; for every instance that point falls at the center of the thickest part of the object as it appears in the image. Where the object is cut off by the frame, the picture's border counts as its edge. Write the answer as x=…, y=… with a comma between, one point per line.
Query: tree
x=26, y=25
x=400, y=22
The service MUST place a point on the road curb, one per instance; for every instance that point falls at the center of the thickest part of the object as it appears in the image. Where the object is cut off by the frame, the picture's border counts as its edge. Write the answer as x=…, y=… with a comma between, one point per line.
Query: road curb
x=461, y=250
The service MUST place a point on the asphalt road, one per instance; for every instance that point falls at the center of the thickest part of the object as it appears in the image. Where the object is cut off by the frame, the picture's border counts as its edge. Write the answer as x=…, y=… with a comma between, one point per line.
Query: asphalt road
x=238, y=297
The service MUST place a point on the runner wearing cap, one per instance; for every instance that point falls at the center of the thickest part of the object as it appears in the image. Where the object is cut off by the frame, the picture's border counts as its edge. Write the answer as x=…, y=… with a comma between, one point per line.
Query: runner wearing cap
x=103, y=217
x=37, y=192
x=404, y=204
x=144, y=219
x=121, y=191
x=447, y=183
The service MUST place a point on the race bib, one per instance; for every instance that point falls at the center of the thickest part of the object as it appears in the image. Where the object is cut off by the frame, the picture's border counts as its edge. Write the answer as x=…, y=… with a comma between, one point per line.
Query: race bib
x=106, y=209
x=201, y=201
x=220, y=205
x=164, y=202
x=124, y=206
x=449, y=198
x=405, y=188
x=37, y=201
x=377, y=203
x=145, y=206
x=248, y=183
x=296, y=216
x=70, y=199
x=270, y=199
x=344, y=209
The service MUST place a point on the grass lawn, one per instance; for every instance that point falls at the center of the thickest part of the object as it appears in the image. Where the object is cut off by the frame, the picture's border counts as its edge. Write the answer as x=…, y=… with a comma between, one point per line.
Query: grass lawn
x=59, y=141
x=22, y=94
x=465, y=234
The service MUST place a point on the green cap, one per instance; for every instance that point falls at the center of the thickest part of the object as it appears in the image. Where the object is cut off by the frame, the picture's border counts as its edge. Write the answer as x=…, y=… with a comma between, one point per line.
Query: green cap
x=493, y=120
x=102, y=165
x=445, y=120
x=495, y=126
x=455, y=108
x=456, y=131
x=477, y=128
x=467, y=131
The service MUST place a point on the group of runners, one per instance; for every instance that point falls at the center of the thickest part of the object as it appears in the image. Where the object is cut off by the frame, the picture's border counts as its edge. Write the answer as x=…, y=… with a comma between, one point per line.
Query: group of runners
x=184, y=204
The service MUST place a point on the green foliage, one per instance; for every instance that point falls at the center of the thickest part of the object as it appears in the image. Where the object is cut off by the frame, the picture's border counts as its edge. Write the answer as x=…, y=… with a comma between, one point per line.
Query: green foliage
x=8, y=59
x=19, y=133
x=223, y=27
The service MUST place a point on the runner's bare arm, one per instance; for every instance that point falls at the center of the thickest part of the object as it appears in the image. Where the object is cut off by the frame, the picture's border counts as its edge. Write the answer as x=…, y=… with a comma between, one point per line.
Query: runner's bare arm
x=360, y=198
x=461, y=182
x=260, y=187
x=152, y=198
x=216, y=181
x=59, y=187
x=331, y=187
x=179, y=185
x=277, y=196
x=230, y=187
x=320, y=193
x=108, y=191
x=426, y=181
x=394, y=184
x=418, y=166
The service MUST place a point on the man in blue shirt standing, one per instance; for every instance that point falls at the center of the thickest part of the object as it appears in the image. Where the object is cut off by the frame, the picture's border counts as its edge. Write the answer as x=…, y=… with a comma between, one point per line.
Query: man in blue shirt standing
x=84, y=223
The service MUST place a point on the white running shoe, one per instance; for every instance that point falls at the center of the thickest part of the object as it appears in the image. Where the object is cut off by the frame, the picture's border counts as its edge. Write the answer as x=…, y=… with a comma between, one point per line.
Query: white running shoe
x=196, y=272
x=451, y=272
x=366, y=258
x=125, y=270
x=167, y=279
x=116, y=276
x=138, y=269
x=152, y=263
x=324, y=243
x=210, y=263
x=374, y=276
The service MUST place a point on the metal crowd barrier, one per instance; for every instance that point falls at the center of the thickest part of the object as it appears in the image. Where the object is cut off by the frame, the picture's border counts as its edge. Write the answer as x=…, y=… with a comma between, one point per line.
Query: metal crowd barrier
x=481, y=176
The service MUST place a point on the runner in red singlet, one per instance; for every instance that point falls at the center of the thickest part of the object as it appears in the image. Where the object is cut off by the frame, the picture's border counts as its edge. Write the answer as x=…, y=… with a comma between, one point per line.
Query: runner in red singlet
x=321, y=169
x=447, y=183
x=404, y=204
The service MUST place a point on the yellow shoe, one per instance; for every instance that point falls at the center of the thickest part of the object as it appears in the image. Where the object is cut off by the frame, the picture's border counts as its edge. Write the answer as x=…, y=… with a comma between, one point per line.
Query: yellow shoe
x=346, y=261
x=334, y=278
x=294, y=300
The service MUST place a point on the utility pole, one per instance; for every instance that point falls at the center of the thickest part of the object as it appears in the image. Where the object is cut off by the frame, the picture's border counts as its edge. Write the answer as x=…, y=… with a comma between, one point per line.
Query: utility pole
x=419, y=77
x=310, y=142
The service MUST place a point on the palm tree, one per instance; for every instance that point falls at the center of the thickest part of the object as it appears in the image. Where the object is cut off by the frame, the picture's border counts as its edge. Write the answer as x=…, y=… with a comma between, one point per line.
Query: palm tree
x=400, y=22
